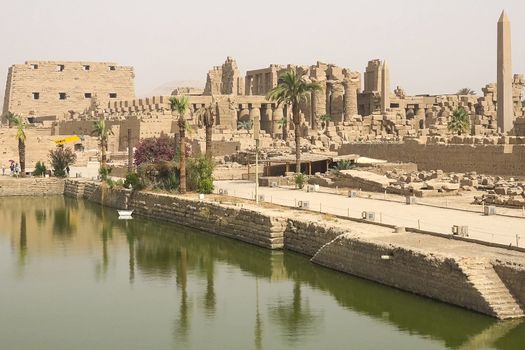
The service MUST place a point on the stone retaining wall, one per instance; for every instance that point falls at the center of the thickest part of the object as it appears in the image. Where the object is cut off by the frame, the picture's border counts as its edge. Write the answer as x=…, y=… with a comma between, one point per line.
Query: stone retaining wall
x=31, y=186
x=502, y=159
x=226, y=220
x=514, y=279
x=343, y=246
x=433, y=276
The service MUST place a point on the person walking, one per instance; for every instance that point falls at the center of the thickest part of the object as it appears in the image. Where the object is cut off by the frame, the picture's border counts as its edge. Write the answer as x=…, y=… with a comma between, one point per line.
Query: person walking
x=3, y=170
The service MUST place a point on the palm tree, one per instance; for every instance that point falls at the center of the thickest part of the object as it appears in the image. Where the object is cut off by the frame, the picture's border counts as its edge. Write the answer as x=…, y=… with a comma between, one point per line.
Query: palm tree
x=181, y=106
x=245, y=124
x=466, y=91
x=209, y=120
x=460, y=121
x=20, y=124
x=292, y=89
x=101, y=130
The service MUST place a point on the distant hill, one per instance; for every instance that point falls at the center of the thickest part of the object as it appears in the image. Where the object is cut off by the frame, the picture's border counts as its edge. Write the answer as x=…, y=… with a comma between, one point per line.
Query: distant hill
x=167, y=88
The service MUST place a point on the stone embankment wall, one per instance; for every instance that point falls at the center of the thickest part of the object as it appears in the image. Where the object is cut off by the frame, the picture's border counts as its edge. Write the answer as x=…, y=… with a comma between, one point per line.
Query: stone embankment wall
x=434, y=276
x=504, y=159
x=227, y=220
x=488, y=286
x=514, y=279
x=31, y=186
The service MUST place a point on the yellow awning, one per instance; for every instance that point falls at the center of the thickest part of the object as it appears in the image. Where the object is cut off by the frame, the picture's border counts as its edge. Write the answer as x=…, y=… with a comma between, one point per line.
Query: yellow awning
x=67, y=139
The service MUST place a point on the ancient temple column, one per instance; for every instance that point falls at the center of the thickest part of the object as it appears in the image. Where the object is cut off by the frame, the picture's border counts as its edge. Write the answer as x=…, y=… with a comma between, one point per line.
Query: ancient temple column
x=329, y=97
x=385, y=88
x=255, y=116
x=244, y=113
x=266, y=119
x=318, y=104
x=350, y=99
x=337, y=103
x=277, y=115
x=505, y=110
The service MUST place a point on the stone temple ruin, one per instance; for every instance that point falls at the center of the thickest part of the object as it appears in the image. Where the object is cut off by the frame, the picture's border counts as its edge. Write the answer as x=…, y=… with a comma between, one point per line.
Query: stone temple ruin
x=63, y=98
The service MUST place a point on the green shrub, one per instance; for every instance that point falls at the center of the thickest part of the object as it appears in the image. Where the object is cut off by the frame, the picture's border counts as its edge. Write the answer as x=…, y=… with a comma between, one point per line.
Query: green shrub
x=344, y=165
x=133, y=181
x=300, y=180
x=40, y=169
x=199, y=174
x=61, y=158
x=110, y=182
x=104, y=173
x=162, y=175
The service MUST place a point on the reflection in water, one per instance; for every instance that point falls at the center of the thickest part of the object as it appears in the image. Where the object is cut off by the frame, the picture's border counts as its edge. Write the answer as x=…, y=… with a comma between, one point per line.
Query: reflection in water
x=210, y=272
x=182, y=325
x=40, y=216
x=258, y=322
x=209, y=298
x=295, y=317
x=22, y=252
x=64, y=225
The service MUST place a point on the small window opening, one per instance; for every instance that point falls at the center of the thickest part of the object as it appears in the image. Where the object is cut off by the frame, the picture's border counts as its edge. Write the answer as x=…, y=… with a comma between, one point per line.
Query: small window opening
x=112, y=95
x=87, y=95
x=112, y=68
x=86, y=67
x=62, y=95
x=36, y=95
x=34, y=66
x=60, y=67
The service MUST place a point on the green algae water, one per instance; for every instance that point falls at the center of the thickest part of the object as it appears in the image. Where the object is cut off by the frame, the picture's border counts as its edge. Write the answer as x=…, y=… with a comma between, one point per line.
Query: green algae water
x=73, y=276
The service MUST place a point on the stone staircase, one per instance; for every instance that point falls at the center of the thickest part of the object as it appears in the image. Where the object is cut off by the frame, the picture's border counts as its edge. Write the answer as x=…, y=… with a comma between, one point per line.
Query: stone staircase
x=483, y=277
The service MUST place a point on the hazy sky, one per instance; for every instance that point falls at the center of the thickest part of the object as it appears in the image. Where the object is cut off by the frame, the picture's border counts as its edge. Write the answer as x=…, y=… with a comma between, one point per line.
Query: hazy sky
x=432, y=46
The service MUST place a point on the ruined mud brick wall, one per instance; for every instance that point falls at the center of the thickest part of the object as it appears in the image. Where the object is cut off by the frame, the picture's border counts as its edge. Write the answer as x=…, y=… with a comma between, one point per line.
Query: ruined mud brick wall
x=34, y=186
x=35, y=87
x=500, y=159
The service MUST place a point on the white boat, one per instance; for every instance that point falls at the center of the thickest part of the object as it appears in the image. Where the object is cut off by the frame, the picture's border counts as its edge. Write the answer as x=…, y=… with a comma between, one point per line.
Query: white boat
x=125, y=212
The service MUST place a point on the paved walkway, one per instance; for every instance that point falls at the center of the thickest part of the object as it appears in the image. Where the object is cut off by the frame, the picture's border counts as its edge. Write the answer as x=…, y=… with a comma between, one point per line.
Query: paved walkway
x=497, y=229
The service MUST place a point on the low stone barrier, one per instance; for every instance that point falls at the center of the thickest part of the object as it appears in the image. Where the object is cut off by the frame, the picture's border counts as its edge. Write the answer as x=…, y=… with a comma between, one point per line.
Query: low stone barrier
x=31, y=186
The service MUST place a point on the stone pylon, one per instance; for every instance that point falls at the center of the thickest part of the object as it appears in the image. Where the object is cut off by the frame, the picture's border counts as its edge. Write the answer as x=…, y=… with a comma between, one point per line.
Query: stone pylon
x=505, y=108
x=385, y=87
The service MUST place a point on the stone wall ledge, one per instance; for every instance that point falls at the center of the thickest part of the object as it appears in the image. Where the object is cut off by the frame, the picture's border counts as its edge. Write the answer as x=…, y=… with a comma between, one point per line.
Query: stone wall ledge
x=427, y=265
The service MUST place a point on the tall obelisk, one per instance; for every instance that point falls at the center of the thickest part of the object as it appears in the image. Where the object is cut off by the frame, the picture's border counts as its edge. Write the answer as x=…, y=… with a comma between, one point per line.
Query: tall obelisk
x=385, y=87
x=505, y=109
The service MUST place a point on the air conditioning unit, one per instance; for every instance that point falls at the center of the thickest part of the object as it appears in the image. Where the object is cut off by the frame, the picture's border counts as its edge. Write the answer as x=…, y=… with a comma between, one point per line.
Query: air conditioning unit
x=410, y=200
x=310, y=188
x=490, y=210
x=368, y=216
x=352, y=194
x=461, y=231
x=303, y=204
x=273, y=184
x=261, y=198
